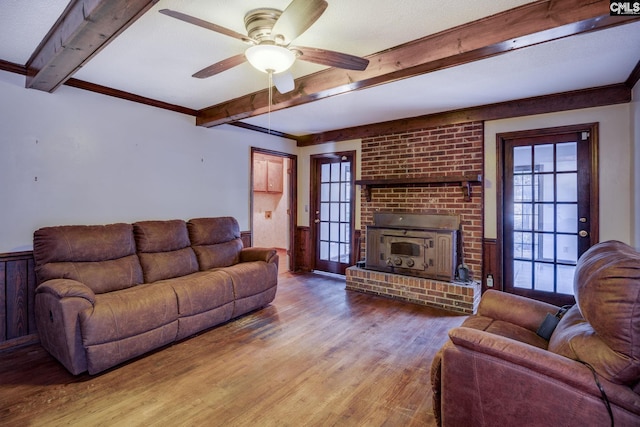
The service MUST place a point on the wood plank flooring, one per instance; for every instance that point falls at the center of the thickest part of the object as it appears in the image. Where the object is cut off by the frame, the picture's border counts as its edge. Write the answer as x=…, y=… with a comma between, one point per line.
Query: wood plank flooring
x=317, y=356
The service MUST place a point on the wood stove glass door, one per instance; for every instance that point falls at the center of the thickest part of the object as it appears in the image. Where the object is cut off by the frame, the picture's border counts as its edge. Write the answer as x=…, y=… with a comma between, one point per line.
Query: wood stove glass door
x=333, y=214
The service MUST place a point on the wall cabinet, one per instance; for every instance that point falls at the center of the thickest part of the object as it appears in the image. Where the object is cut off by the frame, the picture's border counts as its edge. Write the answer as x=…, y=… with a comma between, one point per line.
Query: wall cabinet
x=267, y=174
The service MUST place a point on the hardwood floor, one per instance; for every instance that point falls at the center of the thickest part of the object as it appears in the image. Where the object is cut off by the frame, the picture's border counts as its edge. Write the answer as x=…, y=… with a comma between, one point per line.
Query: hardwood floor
x=317, y=356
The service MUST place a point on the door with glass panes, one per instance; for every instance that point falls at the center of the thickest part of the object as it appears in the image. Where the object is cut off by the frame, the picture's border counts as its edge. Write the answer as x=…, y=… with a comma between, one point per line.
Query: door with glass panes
x=548, y=214
x=333, y=211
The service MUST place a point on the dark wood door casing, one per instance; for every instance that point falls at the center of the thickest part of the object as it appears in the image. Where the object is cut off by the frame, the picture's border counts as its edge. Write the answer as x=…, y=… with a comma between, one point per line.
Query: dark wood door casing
x=497, y=251
x=293, y=198
x=313, y=192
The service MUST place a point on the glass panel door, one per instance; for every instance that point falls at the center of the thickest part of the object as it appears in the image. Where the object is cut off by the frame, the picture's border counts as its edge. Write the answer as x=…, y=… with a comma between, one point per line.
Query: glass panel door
x=546, y=215
x=333, y=216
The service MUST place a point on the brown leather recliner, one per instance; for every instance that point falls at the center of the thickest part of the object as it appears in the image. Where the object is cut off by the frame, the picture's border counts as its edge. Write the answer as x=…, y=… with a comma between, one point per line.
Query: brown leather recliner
x=497, y=371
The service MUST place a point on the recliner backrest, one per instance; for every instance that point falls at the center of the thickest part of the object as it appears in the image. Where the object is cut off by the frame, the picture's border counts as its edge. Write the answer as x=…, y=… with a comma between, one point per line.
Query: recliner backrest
x=103, y=257
x=216, y=241
x=603, y=329
x=164, y=249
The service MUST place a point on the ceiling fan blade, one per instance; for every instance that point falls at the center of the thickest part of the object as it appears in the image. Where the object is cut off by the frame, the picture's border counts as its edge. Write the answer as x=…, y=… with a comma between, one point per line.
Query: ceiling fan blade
x=205, y=24
x=331, y=58
x=221, y=66
x=297, y=17
x=284, y=82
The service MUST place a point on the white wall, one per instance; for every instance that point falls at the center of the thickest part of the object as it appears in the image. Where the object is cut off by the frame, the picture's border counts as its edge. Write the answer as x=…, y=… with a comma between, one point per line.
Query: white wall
x=615, y=164
x=304, y=174
x=98, y=159
x=76, y=157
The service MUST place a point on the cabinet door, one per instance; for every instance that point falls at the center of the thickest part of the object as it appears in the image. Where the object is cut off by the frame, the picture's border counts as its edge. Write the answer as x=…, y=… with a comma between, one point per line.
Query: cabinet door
x=274, y=176
x=260, y=175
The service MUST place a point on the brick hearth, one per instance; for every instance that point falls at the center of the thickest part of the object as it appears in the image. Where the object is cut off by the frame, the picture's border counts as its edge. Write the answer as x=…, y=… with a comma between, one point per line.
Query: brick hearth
x=458, y=297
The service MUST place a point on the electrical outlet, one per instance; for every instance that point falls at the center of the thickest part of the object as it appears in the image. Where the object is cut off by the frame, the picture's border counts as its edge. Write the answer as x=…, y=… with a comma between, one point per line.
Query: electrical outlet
x=489, y=280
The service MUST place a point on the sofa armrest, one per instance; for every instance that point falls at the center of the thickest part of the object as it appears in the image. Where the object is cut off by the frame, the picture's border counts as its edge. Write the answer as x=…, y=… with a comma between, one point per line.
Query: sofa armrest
x=537, y=364
x=519, y=353
x=259, y=254
x=64, y=288
x=525, y=312
x=58, y=303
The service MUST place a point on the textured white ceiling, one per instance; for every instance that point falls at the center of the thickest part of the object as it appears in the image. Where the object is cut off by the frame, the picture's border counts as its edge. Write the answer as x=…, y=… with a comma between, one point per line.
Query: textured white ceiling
x=157, y=55
x=23, y=24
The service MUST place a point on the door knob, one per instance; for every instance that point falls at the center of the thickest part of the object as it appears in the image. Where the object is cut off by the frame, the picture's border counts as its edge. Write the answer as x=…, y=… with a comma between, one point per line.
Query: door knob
x=316, y=220
x=583, y=233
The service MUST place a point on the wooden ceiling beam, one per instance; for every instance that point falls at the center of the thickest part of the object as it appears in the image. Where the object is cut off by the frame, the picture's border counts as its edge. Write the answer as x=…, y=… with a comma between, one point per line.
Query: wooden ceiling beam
x=587, y=98
x=527, y=25
x=83, y=29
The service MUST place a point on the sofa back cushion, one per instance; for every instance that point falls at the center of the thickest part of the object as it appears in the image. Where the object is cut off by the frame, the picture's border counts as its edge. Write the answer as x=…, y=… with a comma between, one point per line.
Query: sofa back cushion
x=216, y=241
x=606, y=331
x=103, y=257
x=164, y=249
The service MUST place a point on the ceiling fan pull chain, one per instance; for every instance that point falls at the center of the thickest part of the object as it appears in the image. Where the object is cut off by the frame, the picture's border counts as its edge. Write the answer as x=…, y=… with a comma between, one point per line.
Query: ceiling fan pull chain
x=270, y=72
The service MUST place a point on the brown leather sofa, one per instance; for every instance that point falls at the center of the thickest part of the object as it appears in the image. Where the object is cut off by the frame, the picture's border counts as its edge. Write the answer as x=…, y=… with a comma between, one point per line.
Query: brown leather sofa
x=108, y=293
x=497, y=371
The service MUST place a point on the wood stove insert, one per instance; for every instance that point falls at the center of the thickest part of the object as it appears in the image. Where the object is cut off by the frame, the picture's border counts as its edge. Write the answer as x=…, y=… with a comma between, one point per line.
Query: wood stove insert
x=414, y=244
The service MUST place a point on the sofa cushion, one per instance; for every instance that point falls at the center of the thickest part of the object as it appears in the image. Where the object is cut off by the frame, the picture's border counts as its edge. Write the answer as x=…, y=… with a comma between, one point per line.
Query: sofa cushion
x=218, y=256
x=216, y=241
x=161, y=236
x=164, y=249
x=252, y=278
x=606, y=331
x=128, y=323
x=505, y=329
x=129, y=312
x=167, y=265
x=209, y=231
x=201, y=291
x=79, y=243
x=254, y=284
x=100, y=277
x=100, y=256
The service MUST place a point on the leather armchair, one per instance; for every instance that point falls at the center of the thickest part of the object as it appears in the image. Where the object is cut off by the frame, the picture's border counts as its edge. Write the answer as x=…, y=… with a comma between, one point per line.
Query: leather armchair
x=496, y=371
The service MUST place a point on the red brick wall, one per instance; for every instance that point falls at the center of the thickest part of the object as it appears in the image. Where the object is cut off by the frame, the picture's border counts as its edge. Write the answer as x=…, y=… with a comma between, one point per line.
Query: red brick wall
x=445, y=150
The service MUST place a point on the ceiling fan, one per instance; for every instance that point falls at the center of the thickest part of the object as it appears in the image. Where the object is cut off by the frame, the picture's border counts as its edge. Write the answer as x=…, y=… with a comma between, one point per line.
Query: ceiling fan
x=270, y=33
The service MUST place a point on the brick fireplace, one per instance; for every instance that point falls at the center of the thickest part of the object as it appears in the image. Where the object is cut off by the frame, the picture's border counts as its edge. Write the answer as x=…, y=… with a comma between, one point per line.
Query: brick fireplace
x=430, y=162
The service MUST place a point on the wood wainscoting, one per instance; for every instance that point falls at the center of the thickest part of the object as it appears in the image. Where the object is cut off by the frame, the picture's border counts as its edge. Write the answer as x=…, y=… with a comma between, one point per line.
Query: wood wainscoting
x=491, y=264
x=17, y=291
x=247, y=238
x=302, y=249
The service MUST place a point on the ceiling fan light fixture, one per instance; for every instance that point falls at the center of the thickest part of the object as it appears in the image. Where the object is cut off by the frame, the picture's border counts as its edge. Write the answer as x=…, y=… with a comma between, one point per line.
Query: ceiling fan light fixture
x=270, y=58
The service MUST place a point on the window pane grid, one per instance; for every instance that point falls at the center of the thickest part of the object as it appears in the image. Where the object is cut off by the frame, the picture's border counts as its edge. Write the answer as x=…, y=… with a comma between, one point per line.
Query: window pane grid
x=544, y=216
x=335, y=212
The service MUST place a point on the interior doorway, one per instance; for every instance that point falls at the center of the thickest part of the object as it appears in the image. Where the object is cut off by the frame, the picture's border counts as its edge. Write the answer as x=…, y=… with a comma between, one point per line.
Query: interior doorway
x=273, y=204
x=332, y=198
